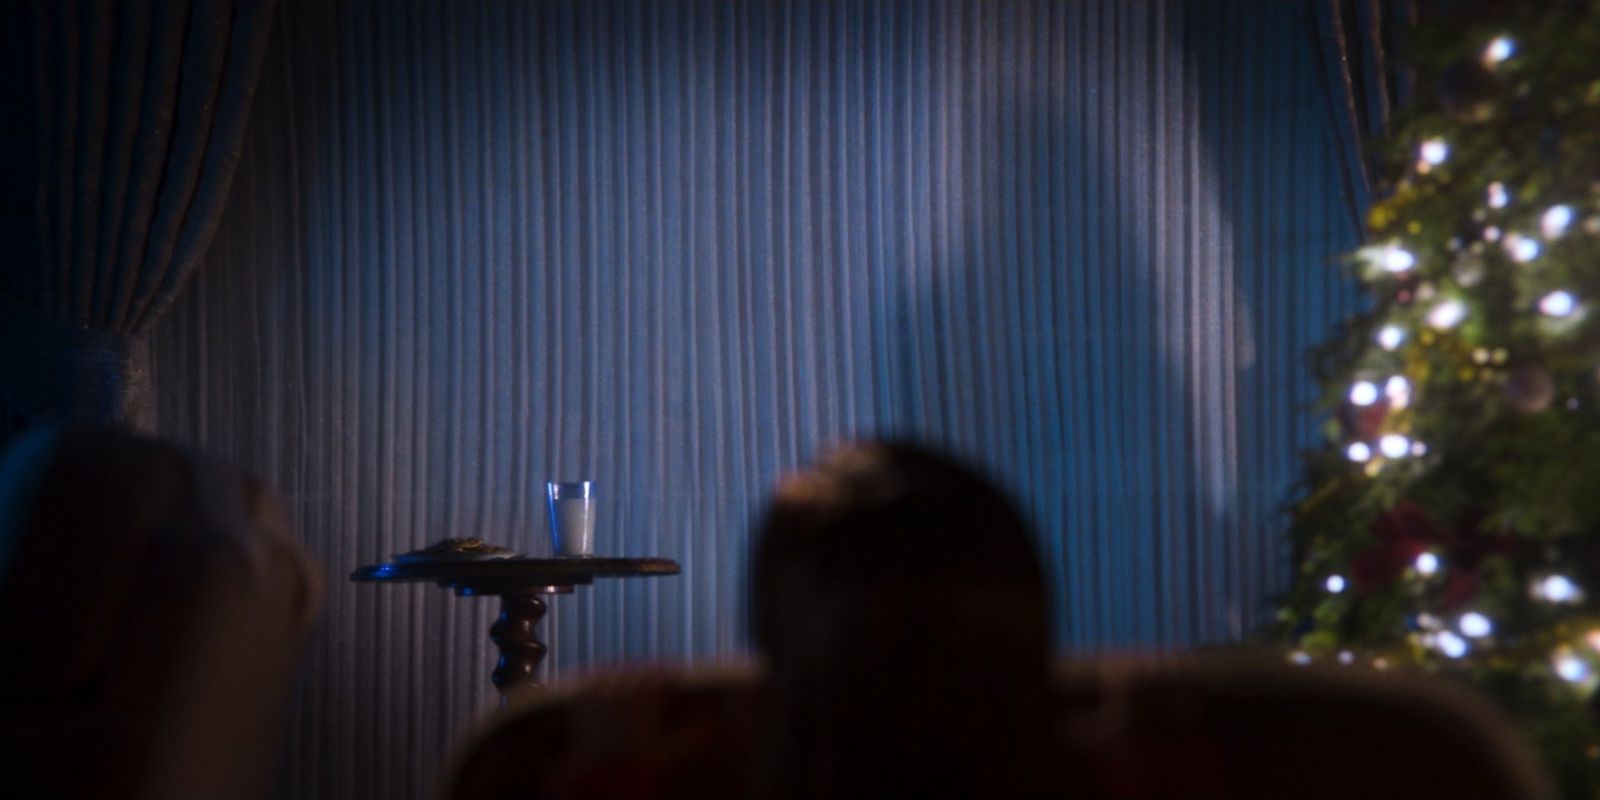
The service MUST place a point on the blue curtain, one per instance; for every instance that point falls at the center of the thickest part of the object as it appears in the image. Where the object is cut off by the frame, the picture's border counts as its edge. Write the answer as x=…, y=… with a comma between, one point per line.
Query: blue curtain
x=1365, y=80
x=122, y=131
x=675, y=247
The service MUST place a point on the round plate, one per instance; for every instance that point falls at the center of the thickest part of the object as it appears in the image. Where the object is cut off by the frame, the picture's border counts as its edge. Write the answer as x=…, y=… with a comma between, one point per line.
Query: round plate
x=449, y=558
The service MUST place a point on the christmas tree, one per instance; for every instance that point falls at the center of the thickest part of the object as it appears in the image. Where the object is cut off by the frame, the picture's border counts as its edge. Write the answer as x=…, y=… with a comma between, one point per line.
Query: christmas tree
x=1452, y=521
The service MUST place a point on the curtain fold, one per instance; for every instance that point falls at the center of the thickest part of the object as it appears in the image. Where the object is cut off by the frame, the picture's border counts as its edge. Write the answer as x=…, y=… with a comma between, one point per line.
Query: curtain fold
x=127, y=124
x=1364, y=80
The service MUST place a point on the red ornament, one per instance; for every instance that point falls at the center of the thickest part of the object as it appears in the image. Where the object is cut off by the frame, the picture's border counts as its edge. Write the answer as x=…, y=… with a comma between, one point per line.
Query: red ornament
x=1460, y=584
x=1405, y=532
x=1363, y=423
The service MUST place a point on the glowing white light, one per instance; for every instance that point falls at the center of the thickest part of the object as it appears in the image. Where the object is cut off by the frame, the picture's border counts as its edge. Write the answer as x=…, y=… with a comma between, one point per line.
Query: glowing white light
x=1427, y=621
x=1571, y=668
x=1335, y=583
x=1498, y=196
x=1556, y=589
x=1300, y=658
x=1358, y=452
x=1435, y=151
x=1364, y=393
x=1397, y=259
x=1491, y=234
x=1522, y=248
x=1475, y=625
x=1427, y=564
x=1555, y=221
x=1450, y=644
x=1398, y=390
x=1394, y=445
x=1500, y=48
x=1346, y=657
x=1391, y=336
x=1558, y=304
x=1419, y=449
x=1447, y=314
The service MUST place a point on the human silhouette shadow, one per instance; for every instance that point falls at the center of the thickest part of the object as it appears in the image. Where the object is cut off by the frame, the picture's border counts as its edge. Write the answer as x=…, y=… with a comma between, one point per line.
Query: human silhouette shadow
x=1112, y=317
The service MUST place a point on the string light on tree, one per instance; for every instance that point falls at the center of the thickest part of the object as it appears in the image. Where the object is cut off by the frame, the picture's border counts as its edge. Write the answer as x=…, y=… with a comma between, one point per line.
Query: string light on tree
x=1569, y=666
x=1396, y=259
x=1558, y=304
x=1398, y=390
x=1475, y=625
x=1364, y=393
x=1522, y=248
x=1359, y=452
x=1394, y=445
x=1500, y=48
x=1447, y=314
x=1433, y=152
x=1450, y=644
x=1334, y=584
x=1554, y=222
x=1498, y=196
x=1556, y=589
x=1468, y=267
x=1427, y=564
x=1390, y=337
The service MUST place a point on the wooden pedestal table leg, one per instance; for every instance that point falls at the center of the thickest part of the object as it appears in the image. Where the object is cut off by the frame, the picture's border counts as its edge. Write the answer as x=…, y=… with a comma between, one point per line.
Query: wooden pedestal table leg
x=516, y=634
x=520, y=649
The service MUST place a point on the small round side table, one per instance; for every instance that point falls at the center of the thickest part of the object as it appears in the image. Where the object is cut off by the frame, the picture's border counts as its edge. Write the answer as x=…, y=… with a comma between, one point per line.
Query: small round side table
x=520, y=583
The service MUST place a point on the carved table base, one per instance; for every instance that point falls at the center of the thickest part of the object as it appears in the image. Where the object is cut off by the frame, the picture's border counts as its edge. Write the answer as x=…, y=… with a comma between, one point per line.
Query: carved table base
x=519, y=583
x=516, y=635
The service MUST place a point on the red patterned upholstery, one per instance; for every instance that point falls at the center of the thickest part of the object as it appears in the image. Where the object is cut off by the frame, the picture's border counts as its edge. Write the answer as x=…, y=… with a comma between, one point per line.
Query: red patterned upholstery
x=629, y=737
x=1202, y=728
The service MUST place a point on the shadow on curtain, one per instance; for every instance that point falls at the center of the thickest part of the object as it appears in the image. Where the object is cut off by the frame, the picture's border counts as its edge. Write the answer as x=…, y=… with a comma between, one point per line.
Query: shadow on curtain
x=1124, y=267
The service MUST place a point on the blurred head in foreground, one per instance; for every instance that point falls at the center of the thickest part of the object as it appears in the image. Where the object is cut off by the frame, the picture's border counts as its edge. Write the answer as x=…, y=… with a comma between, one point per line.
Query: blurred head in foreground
x=901, y=607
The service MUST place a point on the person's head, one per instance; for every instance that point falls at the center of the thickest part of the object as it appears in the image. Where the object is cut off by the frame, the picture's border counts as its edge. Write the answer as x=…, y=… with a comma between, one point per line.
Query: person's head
x=900, y=606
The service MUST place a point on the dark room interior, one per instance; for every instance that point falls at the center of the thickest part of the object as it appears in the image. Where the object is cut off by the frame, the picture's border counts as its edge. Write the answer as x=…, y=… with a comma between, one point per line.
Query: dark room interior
x=522, y=398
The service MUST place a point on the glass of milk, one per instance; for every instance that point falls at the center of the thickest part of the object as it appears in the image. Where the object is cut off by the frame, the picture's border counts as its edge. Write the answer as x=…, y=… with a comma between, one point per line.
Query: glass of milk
x=571, y=518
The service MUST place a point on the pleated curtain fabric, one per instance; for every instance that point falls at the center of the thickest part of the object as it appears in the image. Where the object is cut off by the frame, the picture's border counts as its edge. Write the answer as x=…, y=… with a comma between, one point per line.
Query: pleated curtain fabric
x=1365, y=79
x=123, y=126
x=676, y=247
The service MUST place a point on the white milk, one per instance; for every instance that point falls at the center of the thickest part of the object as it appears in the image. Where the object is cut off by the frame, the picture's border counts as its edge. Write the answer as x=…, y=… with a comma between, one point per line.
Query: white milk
x=572, y=521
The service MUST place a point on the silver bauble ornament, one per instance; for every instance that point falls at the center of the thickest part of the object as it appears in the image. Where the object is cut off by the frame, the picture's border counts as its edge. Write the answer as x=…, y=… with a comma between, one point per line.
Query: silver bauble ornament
x=1529, y=389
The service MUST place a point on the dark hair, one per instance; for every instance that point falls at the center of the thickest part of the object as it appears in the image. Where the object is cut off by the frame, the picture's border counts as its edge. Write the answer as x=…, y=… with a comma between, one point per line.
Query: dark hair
x=902, y=611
